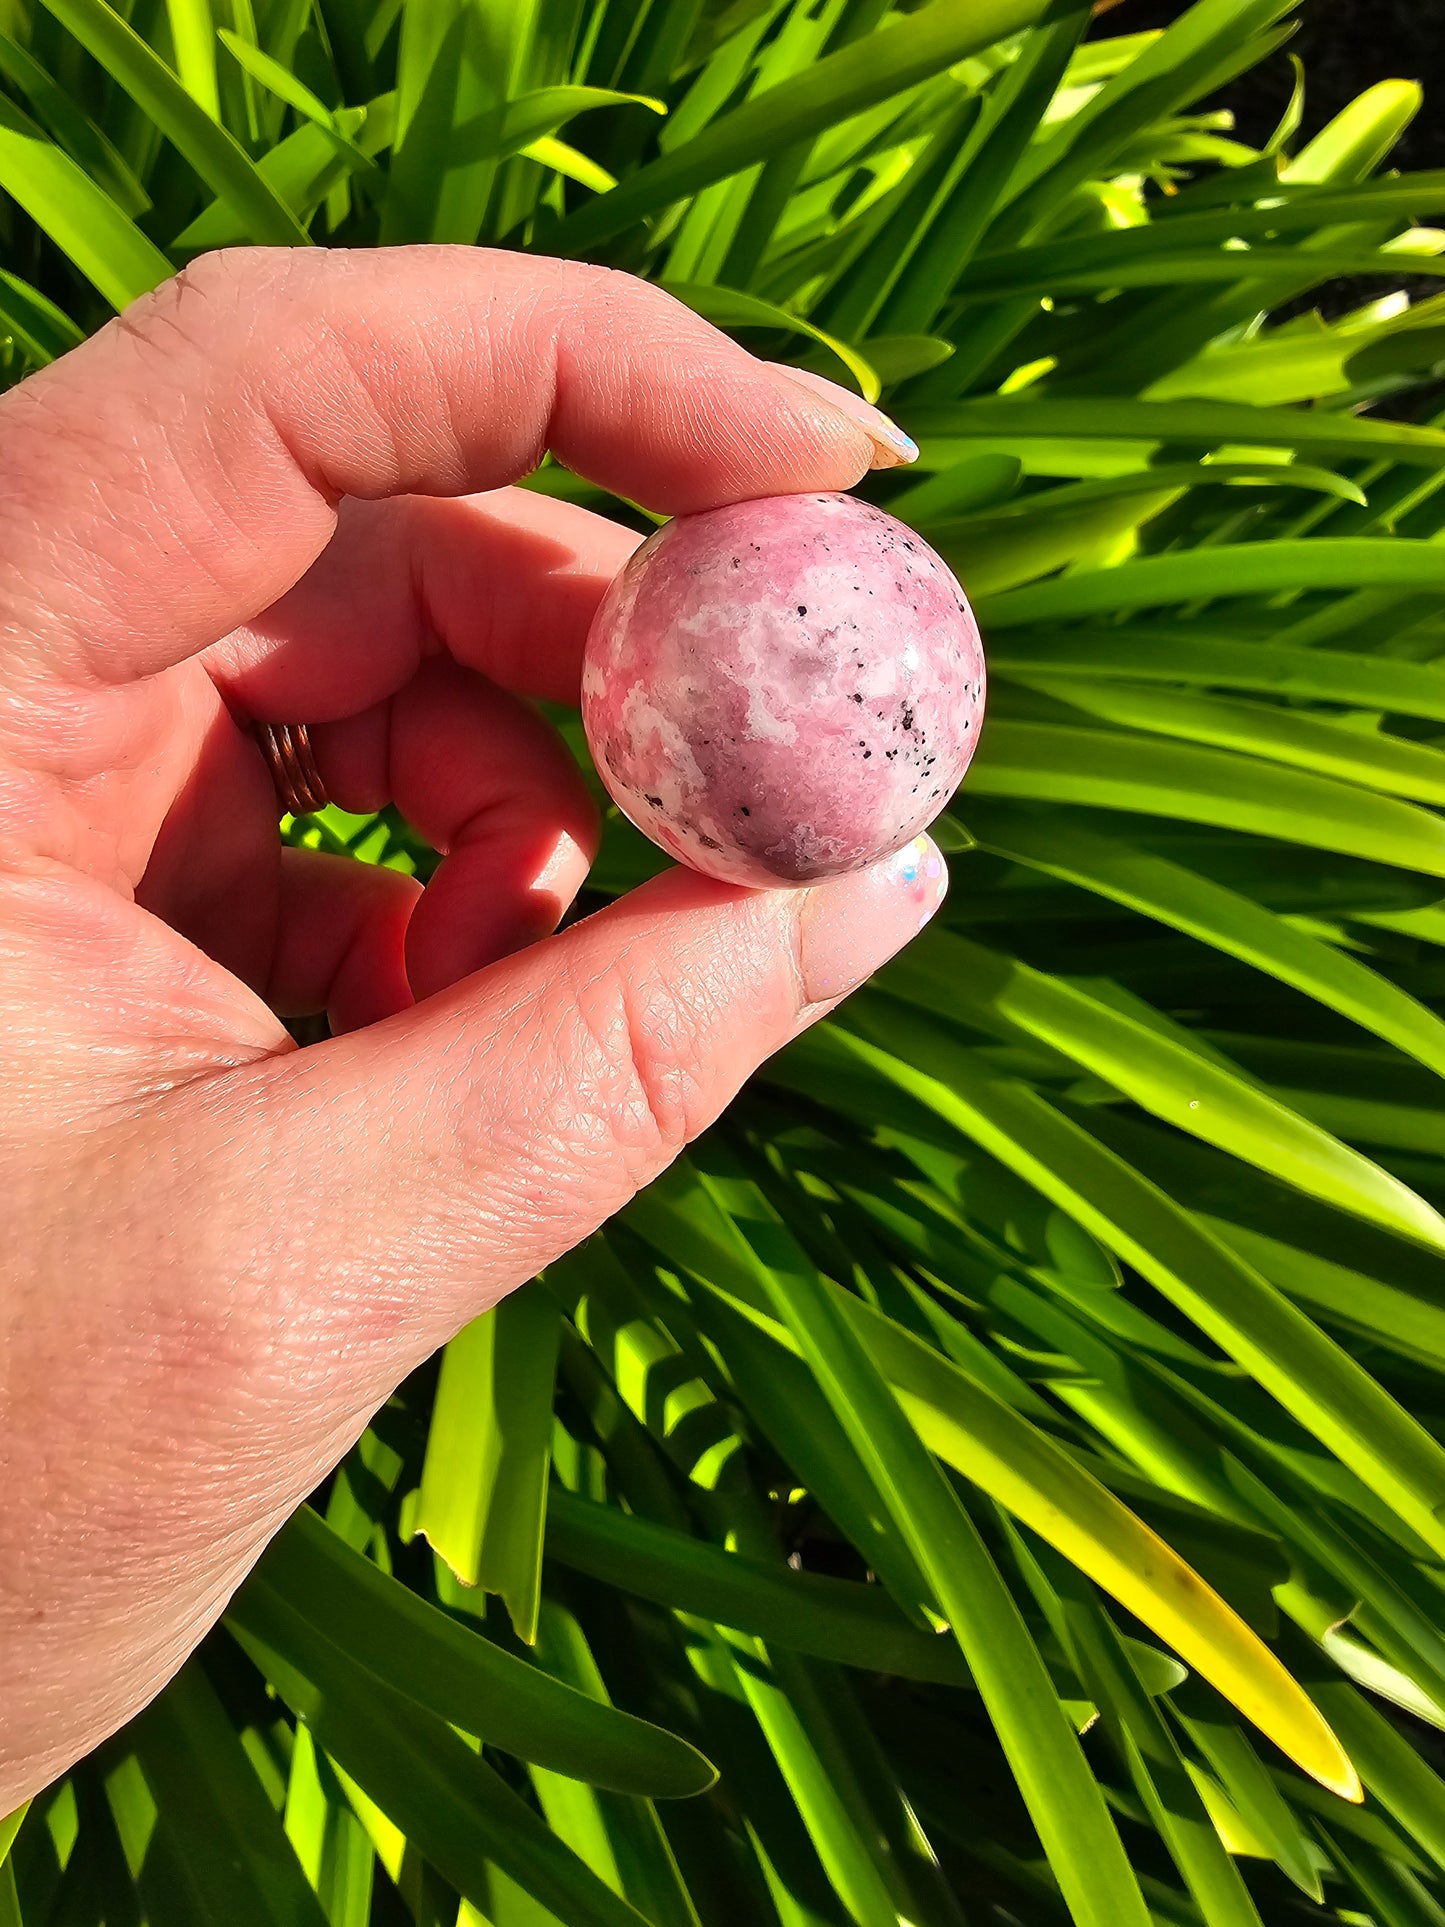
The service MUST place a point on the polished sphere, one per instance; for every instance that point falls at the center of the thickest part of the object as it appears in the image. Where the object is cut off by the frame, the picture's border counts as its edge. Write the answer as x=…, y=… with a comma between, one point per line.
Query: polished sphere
x=783, y=690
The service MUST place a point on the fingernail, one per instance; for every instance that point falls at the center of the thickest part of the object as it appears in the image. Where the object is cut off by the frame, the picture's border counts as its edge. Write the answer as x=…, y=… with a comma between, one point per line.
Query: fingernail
x=853, y=925
x=893, y=446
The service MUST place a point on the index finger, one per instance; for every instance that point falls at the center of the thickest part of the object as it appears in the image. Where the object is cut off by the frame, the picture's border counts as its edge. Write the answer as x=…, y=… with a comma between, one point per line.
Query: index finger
x=171, y=478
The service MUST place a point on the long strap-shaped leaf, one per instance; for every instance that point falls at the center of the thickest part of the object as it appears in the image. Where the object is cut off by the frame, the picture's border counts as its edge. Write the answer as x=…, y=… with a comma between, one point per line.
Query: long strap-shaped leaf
x=1311, y=1376
x=1032, y=270
x=302, y=170
x=1230, y=569
x=452, y=1806
x=1115, y=770
x=845, y=1840
x=330, y=1839
x=1287, y=210
x=924, y=502
x=9, y=1827
x=1348, y=1298
x=80, y=218
x=1143, y=1740
x=1372, y=758
x=1062, y=1795
x=1181, y=653
x=459, y=1675
x=958, y=219
x=870, y=69
x=1397, y=1775
x=976, y=1432
x=833, y=1619
x=72, y=127
x=1279, y=1830
x=1206, y=45
x=483, y=1490
x=217, y=1817
x=849, y=1753
x=42, y=330
x=1161, y=888
x=1160, y=1068
x=1200, y=424
x=728, y=308
x=217, y=157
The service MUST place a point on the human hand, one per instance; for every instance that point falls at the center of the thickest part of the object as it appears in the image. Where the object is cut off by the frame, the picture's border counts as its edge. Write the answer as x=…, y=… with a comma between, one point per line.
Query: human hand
x=251, y=497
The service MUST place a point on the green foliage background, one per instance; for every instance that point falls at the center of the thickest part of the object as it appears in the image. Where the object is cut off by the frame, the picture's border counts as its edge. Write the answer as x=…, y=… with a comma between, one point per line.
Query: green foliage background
x=1008, y=1450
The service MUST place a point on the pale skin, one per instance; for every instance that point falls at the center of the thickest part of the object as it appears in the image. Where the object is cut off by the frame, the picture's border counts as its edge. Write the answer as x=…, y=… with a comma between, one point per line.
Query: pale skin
x=278, y=489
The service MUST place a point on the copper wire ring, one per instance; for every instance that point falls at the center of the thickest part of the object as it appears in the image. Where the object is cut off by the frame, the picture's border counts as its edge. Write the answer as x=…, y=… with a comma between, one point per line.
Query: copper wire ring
x=292, y=763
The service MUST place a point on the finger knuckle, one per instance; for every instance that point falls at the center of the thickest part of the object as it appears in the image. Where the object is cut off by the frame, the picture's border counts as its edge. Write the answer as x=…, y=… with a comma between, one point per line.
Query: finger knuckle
x=186, y=309
x=226, y=272
x=640, y=1042
x=618, y=284
x=611, y=305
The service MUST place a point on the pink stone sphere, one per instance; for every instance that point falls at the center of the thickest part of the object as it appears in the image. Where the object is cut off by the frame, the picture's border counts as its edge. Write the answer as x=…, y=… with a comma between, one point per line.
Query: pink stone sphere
x=783, y=690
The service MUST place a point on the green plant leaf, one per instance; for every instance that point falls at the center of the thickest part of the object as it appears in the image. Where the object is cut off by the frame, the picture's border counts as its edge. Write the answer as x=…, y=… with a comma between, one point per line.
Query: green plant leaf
x=215, y=1811
x=1198, y=424
x=1138, y=653
x=330, y=1842
x=82, y=220
x=977, y=482
x=619, y=1837
x=1370, y=758
x=37, y=324
x=1395, y=1774
x=531, y=117
x=456, y=1809
x=1063, y=1799
x=1106, y=769
x=727, y=308
x=842, y=83
x=1256, y=1796
x=216, y=156
x=331, y=1593
x=980, y=1435
x=1146, y=1746
x=1158, y=1069
x=303, y=170
x=565, y=160
x=72, y=128
x=1148, y=881
x=279, y=79
x=1241, y=569
x=831, y=1619
x=483, y=1498
x=453, y=63
x=193, y=34
x=1311, y=1376
x=9, y=1827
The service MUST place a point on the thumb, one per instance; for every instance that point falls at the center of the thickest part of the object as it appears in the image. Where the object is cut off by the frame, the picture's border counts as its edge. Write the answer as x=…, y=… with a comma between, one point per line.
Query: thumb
x=240, y=1277
x=440, y=1158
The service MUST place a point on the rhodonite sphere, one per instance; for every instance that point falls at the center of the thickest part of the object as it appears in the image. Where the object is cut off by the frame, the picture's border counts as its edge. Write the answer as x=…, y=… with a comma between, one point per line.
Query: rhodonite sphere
x=783, y=690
